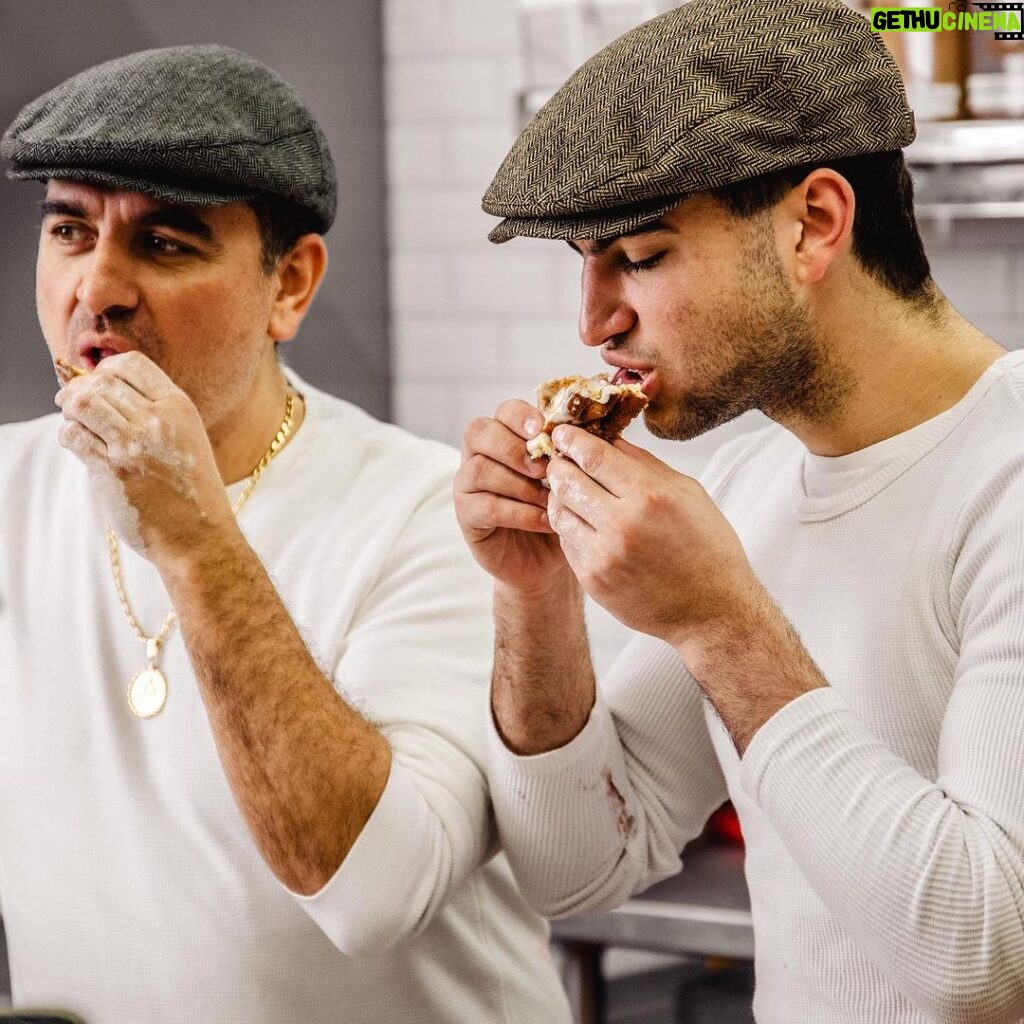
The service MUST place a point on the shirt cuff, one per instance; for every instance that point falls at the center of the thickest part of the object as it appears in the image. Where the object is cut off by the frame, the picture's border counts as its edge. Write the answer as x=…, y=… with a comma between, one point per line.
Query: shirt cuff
x=576, y=798
x=587, y=746
x=798, y=724
x=372, y=902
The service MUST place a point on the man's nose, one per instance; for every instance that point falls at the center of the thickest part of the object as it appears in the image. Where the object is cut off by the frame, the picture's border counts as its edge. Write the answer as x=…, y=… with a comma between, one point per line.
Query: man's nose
x=604, y=313
x=107, y=285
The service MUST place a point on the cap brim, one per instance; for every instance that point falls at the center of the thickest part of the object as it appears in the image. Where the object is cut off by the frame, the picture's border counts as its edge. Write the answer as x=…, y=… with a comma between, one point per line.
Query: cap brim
x=168, y=191
x=598, y=225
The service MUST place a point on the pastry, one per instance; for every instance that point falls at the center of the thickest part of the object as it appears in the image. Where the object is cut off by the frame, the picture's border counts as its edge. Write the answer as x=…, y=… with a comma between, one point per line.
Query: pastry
x=66, y=372
x=596, y=404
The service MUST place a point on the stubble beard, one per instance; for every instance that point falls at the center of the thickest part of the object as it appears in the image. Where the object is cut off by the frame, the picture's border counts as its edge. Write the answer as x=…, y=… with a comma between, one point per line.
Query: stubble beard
x=773, y=358
x=140, y=338
x=216, y=394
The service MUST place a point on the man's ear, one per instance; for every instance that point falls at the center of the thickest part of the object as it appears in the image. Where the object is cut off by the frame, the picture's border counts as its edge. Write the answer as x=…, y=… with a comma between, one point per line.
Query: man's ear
x=822, y=208
x=298, y=274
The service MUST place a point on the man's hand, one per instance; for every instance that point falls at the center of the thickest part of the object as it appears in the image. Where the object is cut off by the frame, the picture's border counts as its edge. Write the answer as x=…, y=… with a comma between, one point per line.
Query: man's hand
x=543, y=684
x=650, y=545
x=501, y=503
x=147, y=451
x=646, y=542
x=305, y=768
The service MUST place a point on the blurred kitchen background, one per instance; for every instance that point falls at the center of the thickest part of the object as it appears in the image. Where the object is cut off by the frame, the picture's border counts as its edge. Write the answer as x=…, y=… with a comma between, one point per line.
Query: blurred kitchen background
x=423, y=321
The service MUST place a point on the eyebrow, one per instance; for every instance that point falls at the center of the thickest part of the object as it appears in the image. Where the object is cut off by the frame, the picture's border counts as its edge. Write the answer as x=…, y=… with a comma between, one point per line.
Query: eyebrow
x=601, y=245
x=175, y=217
x=179, y=219
x=55, y=207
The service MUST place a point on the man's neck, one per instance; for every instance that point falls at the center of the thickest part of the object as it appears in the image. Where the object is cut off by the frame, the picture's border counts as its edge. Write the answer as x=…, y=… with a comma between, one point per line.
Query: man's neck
x=240, y=447
x=902, y=368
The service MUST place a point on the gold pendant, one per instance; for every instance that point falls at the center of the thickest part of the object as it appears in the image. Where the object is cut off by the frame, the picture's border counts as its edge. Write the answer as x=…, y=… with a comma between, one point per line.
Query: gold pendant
x=148, y=693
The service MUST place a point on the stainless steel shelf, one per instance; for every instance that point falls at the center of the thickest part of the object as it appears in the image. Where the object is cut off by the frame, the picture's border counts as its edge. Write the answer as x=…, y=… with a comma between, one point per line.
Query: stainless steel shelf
x=959, y=143
x=665, y=928
x=1010, y=210
x=705, y=910
x=968, y=170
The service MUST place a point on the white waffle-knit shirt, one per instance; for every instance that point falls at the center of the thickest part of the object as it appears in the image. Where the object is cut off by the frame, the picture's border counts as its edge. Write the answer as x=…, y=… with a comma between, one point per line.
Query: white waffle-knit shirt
x=883, y=815
x=130, y=887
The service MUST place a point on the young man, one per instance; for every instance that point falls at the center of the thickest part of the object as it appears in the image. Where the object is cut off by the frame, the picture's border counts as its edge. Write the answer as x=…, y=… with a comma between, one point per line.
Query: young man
x=191, y=705
x=832, y=626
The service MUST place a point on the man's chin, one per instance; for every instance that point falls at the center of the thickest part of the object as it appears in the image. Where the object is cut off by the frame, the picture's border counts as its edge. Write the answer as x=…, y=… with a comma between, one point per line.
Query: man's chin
x=684, y=424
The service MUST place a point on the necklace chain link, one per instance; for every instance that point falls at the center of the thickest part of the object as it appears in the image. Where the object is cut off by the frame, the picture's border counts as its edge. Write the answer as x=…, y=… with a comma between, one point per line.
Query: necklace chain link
x=154, y=643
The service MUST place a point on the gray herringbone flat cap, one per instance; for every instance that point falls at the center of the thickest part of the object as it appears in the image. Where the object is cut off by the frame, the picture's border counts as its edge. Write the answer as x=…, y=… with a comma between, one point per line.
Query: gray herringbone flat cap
x=188, y=124
x=708, y=94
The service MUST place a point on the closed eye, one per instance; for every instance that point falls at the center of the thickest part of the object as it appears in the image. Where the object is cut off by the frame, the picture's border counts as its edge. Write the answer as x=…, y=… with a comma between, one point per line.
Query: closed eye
x=637, y=266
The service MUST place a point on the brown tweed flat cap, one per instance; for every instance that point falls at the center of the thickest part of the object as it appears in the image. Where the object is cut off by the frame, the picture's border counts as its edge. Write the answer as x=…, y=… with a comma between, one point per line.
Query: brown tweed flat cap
x=199, y=125
x=708, y=94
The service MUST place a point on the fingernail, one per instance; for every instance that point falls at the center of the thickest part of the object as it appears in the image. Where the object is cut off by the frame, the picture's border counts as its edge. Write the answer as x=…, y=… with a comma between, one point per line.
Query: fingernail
x=532, y=428
x=560, y=436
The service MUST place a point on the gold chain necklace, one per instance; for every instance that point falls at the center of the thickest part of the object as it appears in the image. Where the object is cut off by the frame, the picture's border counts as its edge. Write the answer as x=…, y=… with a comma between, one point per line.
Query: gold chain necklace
x=147, y=693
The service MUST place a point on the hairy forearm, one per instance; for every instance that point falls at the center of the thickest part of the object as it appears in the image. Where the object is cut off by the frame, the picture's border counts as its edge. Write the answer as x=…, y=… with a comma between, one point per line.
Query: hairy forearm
x=306, y=770
x=750, y=663
x=543, y=684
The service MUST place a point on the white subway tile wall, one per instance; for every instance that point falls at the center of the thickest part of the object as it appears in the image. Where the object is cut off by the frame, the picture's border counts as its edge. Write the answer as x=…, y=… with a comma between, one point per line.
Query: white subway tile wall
x=474, y=323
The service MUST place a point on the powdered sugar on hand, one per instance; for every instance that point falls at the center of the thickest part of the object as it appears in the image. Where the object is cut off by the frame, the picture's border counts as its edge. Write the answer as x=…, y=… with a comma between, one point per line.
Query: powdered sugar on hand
x=117, y=510
x=141, y=456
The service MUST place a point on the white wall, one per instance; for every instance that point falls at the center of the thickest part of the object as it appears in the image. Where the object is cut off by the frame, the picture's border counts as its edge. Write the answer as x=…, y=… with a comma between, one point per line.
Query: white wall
x=474, y=323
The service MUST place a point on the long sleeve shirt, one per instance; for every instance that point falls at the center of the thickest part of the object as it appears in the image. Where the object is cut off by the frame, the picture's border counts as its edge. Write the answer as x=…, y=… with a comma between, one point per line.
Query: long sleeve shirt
x=884, y=814
x=130, y=887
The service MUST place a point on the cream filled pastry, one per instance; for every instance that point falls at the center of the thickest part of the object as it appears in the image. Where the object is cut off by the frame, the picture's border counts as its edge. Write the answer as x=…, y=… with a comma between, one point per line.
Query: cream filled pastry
x=598, y=404
x=66, y=372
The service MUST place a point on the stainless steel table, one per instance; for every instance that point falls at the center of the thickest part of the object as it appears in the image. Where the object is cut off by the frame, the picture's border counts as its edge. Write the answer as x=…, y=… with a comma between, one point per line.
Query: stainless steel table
x=704, y=910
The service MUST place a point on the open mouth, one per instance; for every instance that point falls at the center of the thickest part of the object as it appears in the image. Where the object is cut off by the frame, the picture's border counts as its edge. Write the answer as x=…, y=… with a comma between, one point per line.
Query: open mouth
x=93, y=356
x=628, y=376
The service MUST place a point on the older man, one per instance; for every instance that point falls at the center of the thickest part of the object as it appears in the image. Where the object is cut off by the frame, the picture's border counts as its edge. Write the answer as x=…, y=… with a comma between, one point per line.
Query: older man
x=240, y=759
x=832, y=626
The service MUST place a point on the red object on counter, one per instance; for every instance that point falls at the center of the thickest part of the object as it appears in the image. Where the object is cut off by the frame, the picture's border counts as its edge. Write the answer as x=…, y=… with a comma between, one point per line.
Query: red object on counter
x=724, y=825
